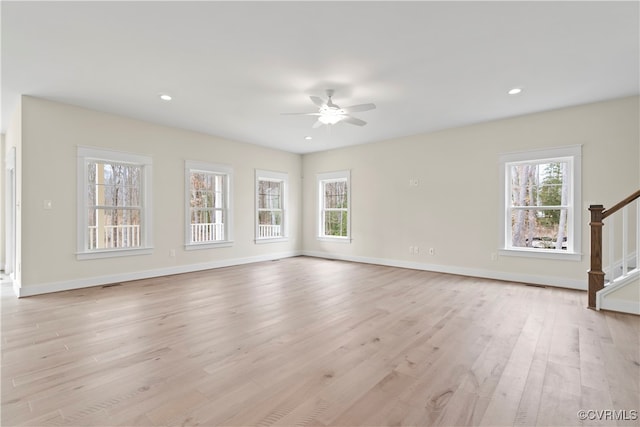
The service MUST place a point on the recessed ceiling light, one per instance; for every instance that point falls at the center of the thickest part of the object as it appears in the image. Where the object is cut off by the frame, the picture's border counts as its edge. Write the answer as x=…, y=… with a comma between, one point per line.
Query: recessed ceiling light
x=308, y=138
x=165, y=97
x=515, y=91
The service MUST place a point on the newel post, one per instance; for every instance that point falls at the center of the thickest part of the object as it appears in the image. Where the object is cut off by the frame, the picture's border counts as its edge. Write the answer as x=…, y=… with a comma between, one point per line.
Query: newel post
x=596, y=275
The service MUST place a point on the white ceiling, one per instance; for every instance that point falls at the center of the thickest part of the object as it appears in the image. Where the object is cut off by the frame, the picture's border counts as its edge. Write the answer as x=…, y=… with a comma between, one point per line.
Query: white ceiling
x=233, y=67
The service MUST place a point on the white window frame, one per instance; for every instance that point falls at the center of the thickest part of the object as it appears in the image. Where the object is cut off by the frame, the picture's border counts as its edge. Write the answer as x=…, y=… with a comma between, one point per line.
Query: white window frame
x=218, y=169
x=283, y=178
x=573, y=156
x=321, y=179
x=85, y=155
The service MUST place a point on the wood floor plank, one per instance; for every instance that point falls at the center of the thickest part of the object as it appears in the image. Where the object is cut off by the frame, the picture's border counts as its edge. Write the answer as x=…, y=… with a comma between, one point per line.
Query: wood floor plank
x=314, y=342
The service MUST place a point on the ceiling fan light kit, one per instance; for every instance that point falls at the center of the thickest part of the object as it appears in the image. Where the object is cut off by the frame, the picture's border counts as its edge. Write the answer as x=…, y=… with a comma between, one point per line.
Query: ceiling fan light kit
x=331, y=114
x=331, y=117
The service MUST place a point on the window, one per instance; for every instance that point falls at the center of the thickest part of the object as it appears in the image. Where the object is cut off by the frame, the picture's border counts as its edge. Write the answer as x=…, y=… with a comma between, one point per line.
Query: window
x=271, y=200
x=208, y=192
x=114, y=205
x=334, y=206
x=541, y=199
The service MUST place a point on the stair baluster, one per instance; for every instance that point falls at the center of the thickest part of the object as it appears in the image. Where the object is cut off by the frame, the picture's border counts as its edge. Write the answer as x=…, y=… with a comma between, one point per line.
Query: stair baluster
x=598, y=214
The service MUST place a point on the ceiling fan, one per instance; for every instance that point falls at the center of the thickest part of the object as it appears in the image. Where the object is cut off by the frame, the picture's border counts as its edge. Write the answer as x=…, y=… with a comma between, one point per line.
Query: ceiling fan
x=330, y=113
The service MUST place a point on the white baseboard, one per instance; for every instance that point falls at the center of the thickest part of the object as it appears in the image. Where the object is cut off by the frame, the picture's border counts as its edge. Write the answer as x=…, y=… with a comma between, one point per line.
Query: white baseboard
x=620, y=305
x=67, y=285
x=606, y=302
x=559, y=282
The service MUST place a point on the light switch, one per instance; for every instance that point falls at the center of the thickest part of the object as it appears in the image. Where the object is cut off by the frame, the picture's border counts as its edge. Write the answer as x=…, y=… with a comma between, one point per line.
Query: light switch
x=48, y=204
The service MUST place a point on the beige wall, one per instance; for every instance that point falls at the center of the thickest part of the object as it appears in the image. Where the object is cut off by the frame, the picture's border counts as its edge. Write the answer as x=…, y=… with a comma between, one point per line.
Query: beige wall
x=455, y=209
x=52, y=133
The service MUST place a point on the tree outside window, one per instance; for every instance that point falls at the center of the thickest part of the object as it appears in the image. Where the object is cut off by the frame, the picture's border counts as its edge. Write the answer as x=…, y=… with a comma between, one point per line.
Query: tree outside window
x=541, y=191
x=114, y=203
x=336, y=208
x=334, y=201
x=271, y=188
x=539, y=205
x=208, y=205
x=114, y=211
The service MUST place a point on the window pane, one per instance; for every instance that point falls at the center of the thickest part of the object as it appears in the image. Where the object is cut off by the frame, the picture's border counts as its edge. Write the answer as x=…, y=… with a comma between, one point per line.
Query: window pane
x=541, y=229
x=270, y=218
x=270, y=224
x=134, y=176
x=117, y=217
x=208, y=181
x=270, y=188
x=207, y=216
x=335, y=223
x=539, y=184
x=91, y=195
x=125, y=196
x=199, y=181
x=335, y=194
x=207, y=225
x=552, y=183
x=201, y=199
x=118, y=186
x=105, y=174
x=114, y=228
x=112, y=184
x=134, y=197
x=91, y=216
x=269, y=195
x=218, y=195
x=218, y=199
x=202, y=216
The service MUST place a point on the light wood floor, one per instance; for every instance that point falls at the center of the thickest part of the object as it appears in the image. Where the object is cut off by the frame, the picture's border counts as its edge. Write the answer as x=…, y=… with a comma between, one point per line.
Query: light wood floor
x=312, y=342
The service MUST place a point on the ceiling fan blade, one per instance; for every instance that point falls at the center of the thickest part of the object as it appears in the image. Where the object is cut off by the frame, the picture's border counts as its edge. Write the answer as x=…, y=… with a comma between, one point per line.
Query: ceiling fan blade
x=317, y=100
x=359, y=108
x=300, y=114
x=317, y=124
x=354, y=121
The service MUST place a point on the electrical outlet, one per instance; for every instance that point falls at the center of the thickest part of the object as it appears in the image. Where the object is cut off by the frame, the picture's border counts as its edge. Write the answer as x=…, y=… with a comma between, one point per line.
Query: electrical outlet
x=432, y=251
x=172, y=253
x=494, y=256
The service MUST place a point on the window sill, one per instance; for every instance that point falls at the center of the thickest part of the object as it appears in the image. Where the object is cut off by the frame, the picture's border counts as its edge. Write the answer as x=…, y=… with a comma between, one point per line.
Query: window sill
x=208, y=245
x=334, y=239
x=541, y=253
x=113, y=253
x=271, y=240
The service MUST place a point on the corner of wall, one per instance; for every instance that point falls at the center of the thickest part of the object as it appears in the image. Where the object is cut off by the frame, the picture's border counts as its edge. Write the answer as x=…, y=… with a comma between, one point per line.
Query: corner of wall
x=11, y=239
x=2, y=201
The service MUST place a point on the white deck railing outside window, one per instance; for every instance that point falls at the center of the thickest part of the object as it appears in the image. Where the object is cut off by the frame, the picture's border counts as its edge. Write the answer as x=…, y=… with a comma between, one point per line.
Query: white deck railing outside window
x=114, y=236
x=207, y=232
x=269, y=231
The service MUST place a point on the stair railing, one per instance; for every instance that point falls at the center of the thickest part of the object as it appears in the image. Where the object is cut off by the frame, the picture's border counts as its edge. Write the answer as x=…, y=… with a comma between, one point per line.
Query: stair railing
x=598, y=215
